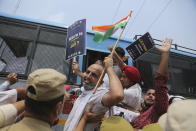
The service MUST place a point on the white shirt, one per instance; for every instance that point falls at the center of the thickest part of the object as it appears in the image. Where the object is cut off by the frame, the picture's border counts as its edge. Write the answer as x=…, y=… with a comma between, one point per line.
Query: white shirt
x=81, y=104
x=98, y=106
x=9, y=96
x=132, y=96
x=128, y=115
x=7, y=114
x=4, y=86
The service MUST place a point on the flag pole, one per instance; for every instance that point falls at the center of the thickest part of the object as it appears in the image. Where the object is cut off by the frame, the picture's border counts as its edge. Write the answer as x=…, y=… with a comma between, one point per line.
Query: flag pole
x=103, y=72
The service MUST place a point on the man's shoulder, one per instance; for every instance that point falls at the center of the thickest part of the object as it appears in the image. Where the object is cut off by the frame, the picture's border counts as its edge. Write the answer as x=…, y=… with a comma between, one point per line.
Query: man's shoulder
x=28, y=124
x=98, y=96
x=136, y=87
x=102, y=88
x=100, y=92
x=21, y=127
x=15, y=127
x=5, y=128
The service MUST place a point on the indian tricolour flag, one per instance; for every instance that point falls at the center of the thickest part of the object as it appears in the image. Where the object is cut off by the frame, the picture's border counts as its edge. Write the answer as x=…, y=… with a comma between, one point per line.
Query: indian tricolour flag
x=105, y=31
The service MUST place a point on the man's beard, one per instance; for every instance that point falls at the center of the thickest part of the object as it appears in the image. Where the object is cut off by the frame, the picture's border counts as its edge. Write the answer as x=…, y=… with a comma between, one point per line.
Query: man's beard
x=147, y=106
x=144, y=106
x=88, y=86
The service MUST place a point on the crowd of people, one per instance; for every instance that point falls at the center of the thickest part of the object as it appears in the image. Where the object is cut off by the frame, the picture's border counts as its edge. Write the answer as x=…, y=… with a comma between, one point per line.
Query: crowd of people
x=116, y=104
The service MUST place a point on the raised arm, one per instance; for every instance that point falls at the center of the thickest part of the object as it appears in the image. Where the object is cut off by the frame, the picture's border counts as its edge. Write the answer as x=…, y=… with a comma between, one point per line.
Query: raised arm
x=75, y=67
x=164, y=49
x=117, y=57
x=161, y=98
x=12, y=78
x=116, y=94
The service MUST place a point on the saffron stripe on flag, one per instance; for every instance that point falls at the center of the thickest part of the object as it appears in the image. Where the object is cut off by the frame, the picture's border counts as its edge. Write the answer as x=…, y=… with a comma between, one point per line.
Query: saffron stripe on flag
x=105, y=31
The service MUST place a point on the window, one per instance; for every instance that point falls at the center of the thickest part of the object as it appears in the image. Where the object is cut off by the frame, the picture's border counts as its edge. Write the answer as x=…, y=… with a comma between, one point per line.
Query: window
x=13, y=55
x=181, y=81
x=91, y=57
x=26, y=46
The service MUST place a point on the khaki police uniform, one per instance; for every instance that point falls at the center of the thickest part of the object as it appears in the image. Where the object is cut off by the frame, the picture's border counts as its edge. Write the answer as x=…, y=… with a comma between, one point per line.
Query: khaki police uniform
x=28, y=124
x=48, y=84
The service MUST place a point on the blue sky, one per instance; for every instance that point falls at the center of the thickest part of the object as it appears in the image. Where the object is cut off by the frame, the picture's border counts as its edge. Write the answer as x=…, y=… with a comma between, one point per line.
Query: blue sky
x=162, y=18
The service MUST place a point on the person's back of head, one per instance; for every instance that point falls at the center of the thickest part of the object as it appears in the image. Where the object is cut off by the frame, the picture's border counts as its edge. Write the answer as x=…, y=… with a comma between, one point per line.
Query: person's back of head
x=45, y=90
x=99, y=62
x=120, y=51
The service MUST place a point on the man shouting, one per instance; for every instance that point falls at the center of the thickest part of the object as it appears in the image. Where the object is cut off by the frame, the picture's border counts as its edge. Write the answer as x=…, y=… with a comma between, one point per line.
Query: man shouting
x=102, y=99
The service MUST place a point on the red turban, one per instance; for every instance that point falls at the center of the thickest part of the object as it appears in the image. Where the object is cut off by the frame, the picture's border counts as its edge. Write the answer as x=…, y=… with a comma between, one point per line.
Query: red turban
x=131, y=73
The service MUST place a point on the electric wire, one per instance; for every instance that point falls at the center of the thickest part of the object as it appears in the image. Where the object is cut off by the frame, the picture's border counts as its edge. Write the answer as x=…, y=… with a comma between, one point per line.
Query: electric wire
x=17, y=6
x=116, y=12
x=134, y=19
x=158, y=16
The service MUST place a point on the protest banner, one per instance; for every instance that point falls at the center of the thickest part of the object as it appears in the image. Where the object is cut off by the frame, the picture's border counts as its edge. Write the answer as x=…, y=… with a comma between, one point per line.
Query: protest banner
x=76, y=39
x=140, y=46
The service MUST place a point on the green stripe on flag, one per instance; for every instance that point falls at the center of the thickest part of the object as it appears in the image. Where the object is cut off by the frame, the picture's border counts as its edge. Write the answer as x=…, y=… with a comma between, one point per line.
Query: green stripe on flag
x=109, y=32
x=121, y=25
x=99, y=37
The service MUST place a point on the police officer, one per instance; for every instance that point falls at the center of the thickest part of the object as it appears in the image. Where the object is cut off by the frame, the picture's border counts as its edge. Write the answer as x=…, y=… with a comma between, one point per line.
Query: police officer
x=43, y=101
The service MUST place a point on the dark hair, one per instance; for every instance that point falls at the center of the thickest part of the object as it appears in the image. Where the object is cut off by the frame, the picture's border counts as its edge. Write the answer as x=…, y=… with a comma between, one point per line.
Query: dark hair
x=120, y=51
x=149, y=89
x=41, y=108
x=172, y=98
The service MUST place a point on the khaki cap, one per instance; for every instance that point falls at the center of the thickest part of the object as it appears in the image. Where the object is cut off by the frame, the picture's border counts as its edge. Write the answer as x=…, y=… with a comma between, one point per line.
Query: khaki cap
x=47, y=83
x=116, y=123
x=152, y=127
